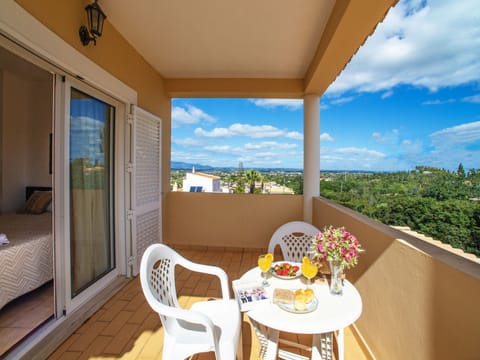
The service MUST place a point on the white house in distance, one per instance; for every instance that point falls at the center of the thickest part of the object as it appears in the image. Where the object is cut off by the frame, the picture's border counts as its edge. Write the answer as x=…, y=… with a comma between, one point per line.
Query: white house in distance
x=200, y=182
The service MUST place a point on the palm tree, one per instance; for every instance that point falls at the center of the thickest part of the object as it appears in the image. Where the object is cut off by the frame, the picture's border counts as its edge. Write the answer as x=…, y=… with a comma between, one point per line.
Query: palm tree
x=252, y=176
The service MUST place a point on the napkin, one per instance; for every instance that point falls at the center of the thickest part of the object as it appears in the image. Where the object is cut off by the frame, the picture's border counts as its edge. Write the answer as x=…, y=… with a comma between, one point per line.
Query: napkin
x=3, y=239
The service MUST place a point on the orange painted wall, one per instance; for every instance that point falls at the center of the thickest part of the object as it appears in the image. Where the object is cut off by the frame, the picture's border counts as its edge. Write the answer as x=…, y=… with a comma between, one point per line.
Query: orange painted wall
x=114, y=54
x=228, y=220
x=420, y=301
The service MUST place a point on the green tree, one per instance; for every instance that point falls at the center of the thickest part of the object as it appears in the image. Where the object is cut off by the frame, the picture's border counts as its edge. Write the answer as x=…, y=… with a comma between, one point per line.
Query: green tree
x=252, y=176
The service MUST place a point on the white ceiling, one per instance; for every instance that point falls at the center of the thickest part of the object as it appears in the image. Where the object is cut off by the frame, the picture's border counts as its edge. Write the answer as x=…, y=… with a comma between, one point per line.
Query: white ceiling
x=223, y=38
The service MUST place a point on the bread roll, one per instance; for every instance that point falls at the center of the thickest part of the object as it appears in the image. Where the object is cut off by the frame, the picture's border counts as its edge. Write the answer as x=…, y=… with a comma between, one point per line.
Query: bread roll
x=305, y=295
x=283, y=296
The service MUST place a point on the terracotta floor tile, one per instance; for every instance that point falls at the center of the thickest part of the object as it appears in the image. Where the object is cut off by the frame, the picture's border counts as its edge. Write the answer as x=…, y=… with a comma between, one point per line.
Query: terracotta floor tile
x=127, y=328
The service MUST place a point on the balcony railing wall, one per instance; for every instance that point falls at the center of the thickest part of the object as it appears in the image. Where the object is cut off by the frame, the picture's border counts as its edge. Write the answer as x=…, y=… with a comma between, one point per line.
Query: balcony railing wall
x=420, y=301
x=227, y=220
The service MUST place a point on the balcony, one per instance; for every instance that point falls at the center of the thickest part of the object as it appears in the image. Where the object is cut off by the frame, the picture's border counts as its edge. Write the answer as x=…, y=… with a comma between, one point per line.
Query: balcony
x=419, y=299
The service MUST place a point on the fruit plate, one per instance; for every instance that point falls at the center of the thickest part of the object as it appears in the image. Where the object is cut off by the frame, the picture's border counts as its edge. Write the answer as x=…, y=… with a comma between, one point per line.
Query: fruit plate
x=286, y=270
x=309, y=307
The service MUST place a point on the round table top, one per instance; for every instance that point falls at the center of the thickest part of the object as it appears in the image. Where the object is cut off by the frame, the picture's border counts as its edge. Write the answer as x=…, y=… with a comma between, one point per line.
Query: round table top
x=333, y=312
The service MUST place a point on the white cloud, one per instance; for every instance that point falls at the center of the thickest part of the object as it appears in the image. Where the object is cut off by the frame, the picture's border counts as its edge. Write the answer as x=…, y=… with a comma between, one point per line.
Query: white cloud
x=189, y=115
x=215, y=133
x=472, y=99
x=438, y=102
x=351, y=158
x=251, y=131
x=390, y=137
x=360, y=152
x=290, y=104
x=430, y=44
x=326, y=137
x=225, y=149
x=342, y=100
x=460, y=134
x=387, y=94
x=412, y=147
x=295, y=135
x=270, y=145
x=187, y=142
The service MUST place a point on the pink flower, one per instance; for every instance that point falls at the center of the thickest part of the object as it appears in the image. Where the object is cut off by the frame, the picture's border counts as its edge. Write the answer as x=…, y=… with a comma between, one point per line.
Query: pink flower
x=336, y=244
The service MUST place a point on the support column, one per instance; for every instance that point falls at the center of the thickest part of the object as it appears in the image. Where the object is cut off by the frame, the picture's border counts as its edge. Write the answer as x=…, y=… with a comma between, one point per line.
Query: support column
x=311, y=153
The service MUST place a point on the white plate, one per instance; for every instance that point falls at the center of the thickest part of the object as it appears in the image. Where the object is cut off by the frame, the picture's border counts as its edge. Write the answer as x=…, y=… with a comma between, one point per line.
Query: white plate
x=299, y=272
x=309, y=307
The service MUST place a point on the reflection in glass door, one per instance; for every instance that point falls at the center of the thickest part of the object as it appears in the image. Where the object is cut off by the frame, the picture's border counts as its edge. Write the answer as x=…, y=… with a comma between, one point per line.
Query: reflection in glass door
x=91, y=160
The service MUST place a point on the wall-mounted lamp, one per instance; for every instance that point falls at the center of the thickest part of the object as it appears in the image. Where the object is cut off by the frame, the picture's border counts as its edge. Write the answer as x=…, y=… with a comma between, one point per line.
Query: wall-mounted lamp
x=96, y=18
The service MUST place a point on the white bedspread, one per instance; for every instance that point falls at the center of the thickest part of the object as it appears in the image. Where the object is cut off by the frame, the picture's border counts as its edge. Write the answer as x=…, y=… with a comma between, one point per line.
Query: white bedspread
x=27, y=261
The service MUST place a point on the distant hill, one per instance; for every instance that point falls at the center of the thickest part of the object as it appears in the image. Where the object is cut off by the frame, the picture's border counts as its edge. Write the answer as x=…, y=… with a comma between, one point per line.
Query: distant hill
x=178, y=165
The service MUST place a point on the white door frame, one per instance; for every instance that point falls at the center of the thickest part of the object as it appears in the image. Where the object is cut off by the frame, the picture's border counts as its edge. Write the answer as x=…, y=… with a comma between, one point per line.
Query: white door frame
x=27, y=37
x=62, y=158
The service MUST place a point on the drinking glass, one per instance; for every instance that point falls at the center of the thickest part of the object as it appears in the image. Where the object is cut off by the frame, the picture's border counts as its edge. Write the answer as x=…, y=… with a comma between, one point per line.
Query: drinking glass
x=309, y=270
x=265, y=263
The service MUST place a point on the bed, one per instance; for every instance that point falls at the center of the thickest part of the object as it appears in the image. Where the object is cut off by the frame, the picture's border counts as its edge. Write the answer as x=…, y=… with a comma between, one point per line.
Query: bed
x=27, y=261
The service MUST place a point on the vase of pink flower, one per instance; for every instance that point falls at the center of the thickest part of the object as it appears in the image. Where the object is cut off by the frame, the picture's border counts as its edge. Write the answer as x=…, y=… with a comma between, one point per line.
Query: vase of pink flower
x=340, y=249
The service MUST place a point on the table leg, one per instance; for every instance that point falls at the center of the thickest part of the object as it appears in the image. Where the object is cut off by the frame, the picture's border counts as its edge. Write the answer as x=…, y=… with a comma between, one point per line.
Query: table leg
x=340, y=343
x=322, y=346
x=272, y=347
x=268, y=339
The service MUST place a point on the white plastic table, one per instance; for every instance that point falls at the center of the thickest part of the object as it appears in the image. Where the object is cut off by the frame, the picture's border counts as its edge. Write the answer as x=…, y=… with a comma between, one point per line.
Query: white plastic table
x=334, y=313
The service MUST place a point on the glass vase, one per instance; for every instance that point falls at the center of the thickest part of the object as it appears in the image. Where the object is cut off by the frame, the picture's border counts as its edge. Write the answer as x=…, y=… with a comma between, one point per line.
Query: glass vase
x=336, y=283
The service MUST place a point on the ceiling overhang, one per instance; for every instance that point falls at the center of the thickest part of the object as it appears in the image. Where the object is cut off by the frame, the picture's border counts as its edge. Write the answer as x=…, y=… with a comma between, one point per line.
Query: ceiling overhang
x=269, y=49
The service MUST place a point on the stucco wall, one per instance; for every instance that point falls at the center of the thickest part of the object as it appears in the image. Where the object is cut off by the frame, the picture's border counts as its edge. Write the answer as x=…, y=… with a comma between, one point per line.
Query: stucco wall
x=113, y=54
x=228, y=220
x=419, y=300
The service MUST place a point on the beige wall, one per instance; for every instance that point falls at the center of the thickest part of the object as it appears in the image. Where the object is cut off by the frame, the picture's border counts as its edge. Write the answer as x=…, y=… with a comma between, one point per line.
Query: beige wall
x=26, y=124
x=113, y=54
x=39, y=128
x=1, y=140
x=419, y=301
x=228, y=220
x=14, y=139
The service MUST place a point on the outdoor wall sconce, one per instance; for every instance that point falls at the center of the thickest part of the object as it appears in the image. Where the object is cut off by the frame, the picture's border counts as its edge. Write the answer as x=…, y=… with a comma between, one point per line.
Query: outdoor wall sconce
x=95, y=17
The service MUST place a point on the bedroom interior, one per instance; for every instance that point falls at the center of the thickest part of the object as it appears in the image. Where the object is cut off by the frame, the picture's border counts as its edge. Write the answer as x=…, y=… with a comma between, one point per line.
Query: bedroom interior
x=26, y=279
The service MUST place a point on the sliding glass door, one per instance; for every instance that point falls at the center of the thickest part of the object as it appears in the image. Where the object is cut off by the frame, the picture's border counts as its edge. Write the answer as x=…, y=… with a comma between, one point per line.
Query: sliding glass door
x=92, y=245
x=93, y=191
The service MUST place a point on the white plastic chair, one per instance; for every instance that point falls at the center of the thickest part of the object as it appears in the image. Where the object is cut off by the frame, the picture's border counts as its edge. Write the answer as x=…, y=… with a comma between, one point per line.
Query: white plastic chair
x=294, y=239
x=207, y=326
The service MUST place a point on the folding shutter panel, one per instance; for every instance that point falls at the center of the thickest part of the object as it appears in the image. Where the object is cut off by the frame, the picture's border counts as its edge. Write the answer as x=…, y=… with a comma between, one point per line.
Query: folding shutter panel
x=146, y=194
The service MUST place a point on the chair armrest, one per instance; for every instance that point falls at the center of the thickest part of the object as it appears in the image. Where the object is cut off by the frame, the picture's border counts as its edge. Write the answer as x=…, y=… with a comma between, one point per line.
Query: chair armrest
x=188, y=315
x=212, y=270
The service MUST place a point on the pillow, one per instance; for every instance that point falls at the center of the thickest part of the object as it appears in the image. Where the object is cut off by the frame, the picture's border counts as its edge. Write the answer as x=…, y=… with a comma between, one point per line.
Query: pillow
x=37, y=202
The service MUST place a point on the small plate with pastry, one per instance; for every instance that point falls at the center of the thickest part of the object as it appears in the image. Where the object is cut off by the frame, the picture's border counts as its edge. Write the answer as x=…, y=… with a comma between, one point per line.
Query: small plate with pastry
x=286, y=270
x=300, y=301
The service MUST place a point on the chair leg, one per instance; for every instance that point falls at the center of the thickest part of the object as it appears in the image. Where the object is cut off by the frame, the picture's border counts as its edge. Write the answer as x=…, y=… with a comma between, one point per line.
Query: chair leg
x=240, y=348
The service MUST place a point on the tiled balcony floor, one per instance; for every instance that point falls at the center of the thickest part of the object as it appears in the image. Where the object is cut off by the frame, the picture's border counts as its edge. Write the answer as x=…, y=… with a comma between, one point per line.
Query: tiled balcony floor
x=126, y=328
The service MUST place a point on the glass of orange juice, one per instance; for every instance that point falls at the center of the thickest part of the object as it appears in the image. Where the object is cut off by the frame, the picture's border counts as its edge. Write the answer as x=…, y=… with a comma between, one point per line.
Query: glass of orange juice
x=265, y=263
x=309, y=270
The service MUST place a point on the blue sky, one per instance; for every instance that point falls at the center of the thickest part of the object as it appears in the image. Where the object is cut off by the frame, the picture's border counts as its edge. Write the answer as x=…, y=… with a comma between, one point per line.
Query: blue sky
x=409, y=97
